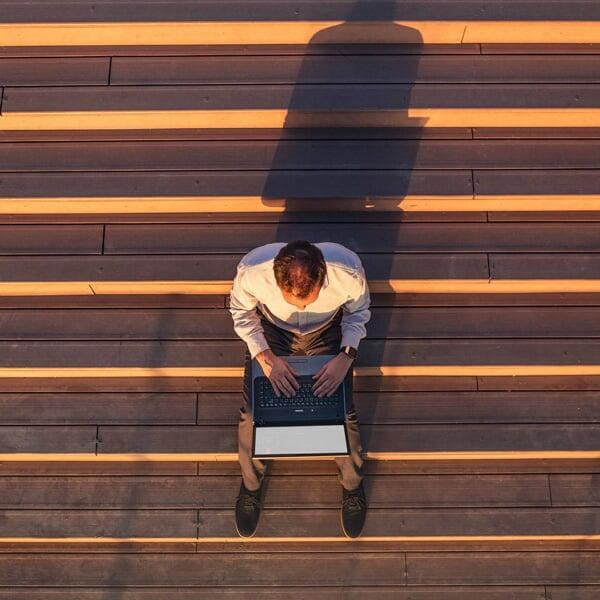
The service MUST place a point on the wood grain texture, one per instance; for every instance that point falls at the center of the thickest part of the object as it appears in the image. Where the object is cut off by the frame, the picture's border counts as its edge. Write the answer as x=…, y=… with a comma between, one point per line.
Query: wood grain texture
x=300, y=491
x=523, y=568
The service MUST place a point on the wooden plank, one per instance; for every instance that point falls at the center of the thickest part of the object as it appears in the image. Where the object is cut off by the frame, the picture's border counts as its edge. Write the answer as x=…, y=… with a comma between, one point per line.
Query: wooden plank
x=503, y=568
x=526, y=68
x=301, y=525
x=176, y=492
x=302, y=32
x=417, y=523
x=531, y=382
x=388, y=323
x=51, y=239
x=569, y=207
x=553, y=215
x=60, y=524
x=219, y=269
x=506, y=266
x=134, y=301
x=359, y=237
x=104, y=469
x=249, y=133
x=536, y=133
x=537, y=48
x=146, y=185
x=356, y=568
x=288, y=593
x=377, y=358
x=426, y=300
x=166, y=50
x=267, y=99
x=278, y=118
x=575, y=490
x=53, y=71
x=344, y=155
x=573, y=592
x=549, y=183
x=440, y=407
x=137, y=10
x=396, y=467
x=80, y=408
x=446, y=439
x=231, y=10
x=100, y=382
x=71, y=439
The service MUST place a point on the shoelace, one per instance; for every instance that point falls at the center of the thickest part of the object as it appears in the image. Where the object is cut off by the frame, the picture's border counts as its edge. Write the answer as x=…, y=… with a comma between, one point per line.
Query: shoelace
x=354, y=503
x=247, y=501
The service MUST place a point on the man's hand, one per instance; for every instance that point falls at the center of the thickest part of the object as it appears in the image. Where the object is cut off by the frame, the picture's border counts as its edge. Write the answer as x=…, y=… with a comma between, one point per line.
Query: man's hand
x=331, y=374
x=280, y=373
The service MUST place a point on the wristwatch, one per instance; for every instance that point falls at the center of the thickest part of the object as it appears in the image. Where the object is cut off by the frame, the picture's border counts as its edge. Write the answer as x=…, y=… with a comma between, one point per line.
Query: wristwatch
x=350, y=351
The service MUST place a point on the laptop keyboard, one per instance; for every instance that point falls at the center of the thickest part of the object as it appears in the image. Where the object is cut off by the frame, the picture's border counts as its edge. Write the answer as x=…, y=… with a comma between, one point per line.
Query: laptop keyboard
x=266, y=397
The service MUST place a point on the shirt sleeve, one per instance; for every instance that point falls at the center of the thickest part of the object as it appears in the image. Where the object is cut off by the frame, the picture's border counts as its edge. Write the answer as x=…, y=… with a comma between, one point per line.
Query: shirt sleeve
x=246, y=322
x=356, y=311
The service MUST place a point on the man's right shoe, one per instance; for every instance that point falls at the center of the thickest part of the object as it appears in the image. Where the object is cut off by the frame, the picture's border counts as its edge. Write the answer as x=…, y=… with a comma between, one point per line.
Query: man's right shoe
x=247, y=510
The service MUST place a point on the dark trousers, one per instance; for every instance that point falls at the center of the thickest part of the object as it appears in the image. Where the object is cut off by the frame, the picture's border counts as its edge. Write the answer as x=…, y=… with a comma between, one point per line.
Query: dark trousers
x=325, y=340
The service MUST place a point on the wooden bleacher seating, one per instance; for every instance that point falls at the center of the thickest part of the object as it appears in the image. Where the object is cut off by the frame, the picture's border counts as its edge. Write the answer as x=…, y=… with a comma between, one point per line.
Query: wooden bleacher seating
x=456, y=150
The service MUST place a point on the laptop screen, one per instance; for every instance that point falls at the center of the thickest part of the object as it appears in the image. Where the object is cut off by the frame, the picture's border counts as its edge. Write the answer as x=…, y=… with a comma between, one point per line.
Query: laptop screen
x=300, y=440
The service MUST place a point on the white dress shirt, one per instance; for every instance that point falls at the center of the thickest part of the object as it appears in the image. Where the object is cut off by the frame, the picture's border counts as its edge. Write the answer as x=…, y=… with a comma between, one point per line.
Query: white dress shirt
x=255, y=286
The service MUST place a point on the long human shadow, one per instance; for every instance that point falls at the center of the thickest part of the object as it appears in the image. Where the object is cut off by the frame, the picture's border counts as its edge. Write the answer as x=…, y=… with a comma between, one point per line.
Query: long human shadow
x=326, y=175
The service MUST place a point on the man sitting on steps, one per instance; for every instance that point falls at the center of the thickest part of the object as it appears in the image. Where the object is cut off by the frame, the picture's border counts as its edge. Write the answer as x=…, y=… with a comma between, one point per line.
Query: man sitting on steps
x=300, y=298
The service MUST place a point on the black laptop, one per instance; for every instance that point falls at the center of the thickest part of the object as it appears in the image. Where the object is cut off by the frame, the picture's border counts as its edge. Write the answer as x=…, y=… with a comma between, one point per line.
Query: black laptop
x=303, y=425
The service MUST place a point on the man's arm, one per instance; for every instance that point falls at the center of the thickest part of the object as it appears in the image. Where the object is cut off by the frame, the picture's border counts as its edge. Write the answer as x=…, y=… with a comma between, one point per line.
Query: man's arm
x=246, y=322
x=356, y=311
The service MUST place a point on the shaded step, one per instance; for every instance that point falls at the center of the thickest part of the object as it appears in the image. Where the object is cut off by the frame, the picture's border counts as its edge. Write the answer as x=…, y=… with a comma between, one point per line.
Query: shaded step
x=366, y=68
x=221, y=408
x=381, y=442
x=379, y=592
x=354, y=568
x=388, y=273
x=300, y=491
x=304, y=105
x=302, y=526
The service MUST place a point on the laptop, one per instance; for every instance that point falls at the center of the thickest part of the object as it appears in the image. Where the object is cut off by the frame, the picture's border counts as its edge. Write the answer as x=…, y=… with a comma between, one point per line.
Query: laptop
x=303, y=425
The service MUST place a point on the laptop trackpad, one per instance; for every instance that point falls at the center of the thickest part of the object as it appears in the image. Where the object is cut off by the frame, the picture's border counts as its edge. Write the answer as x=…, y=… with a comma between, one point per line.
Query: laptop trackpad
x=299, y=440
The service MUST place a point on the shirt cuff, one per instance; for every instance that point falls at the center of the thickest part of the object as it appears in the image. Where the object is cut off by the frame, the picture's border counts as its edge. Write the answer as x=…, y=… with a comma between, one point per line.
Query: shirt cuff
x=350, y=338
x=257, y=343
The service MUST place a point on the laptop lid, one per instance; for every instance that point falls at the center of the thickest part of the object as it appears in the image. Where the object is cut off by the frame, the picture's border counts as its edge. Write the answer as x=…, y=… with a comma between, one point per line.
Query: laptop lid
x=286, y=441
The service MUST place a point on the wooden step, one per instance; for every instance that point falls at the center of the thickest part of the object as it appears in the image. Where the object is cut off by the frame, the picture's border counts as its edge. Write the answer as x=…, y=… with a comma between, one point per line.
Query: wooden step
x=449, y=31
x=377, y=592
x=436, y=527
x=353, y=567
x=304, y=106
x=185, y=443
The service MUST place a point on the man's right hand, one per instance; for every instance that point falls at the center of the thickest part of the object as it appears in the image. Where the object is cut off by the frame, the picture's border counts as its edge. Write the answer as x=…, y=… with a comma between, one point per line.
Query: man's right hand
x=280, y=373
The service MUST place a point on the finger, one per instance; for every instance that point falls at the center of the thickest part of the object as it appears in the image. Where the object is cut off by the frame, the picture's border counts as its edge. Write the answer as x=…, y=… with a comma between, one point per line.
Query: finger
x=334, y=387
x=276, y=388
x=322, y=387
x=293, y=381
x=319, y=372
x=287, y=387
x=318, y=383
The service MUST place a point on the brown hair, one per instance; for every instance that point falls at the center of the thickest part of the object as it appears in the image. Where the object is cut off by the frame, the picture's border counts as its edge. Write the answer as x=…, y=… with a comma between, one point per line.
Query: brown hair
x=299, y=267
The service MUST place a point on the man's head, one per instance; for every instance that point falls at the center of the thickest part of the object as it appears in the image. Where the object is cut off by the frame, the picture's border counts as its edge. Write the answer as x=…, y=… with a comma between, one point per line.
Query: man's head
x=300, y=270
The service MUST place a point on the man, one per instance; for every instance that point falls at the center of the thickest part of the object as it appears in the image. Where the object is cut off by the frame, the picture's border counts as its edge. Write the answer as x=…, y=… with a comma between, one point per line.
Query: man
x=300, y=298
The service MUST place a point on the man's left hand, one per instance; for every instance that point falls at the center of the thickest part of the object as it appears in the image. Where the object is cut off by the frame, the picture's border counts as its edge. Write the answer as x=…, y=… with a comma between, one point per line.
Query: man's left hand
x=331, y=375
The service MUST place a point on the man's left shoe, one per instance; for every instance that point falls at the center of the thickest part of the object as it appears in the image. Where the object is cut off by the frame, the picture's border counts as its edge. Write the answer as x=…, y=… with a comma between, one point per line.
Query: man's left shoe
x=354, y=510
